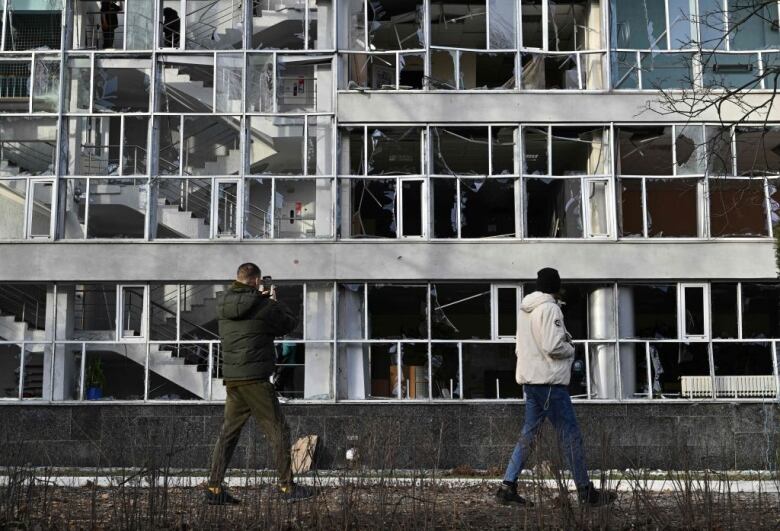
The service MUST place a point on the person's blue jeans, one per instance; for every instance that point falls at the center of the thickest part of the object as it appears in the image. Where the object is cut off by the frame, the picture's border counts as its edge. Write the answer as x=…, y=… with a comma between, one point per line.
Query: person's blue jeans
x=553, y=402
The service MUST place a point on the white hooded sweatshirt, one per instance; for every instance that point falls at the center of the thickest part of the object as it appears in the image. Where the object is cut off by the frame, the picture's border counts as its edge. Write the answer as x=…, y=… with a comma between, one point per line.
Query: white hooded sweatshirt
x=544, y=350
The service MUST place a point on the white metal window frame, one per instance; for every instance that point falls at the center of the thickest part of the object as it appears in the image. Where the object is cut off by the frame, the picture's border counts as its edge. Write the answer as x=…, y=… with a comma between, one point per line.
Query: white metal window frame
x=121, y=336
x=682, y=311
x=31, y=205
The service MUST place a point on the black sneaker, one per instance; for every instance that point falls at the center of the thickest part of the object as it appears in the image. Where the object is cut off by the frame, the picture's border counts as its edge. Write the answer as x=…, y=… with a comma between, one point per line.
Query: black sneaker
x=294, y=493
x=220, y=496
x=594, y=497
x=507, y=495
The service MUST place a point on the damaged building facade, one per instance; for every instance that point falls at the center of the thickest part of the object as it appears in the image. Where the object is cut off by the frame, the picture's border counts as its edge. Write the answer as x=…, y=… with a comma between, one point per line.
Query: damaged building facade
x=402, y=169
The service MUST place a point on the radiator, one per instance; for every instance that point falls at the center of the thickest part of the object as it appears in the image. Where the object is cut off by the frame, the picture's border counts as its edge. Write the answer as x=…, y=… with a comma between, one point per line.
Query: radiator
x=729, y=386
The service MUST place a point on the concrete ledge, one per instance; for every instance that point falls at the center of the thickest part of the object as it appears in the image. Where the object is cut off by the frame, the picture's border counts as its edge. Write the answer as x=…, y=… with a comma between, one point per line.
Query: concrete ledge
x=387, y=260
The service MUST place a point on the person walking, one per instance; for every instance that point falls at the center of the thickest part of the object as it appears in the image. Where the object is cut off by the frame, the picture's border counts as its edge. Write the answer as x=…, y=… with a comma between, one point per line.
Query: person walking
x=544, y=358
x=249, y=320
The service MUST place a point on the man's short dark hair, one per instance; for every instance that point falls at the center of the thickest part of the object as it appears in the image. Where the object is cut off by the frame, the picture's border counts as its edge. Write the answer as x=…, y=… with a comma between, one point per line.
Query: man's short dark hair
x=247, y=271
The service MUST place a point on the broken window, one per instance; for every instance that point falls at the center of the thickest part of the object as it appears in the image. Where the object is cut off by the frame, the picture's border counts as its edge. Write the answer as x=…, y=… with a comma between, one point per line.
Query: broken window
x=229, y=82
x=122, y=84
x=397, y=311
x=638, y=25
x=412, y=205
x=184, y=208
x=276, y=145
x=23, y=371
x=574, y=25
x=258, y=218
x=502, y=149
x=549, y=72
x=78, y=73
x=460, y=311
x=631, y=208
x=744, y=370
x=505, y=307
x=394, y=150
x=443, y=76
x=163, y=309
x=536, y=160
x=673, y=208
x=489, y=371
x=94, y=308
x=445, y=371
x=32, y=26
x=290, y=370
x=303, y=208
x=383, y=366
x=395, y=25
x=134, y=145
x=487, y=208
x=737, y=208
x=758, y=151
x=115, y=371
x=588, y=309
x=227, y=208
x=578, y=384
x=625, y=70
x=644, y=151
x=459, y=23
x=502, y=24
x=94, y=145
x=373, y=208
x=212, y=145
x=634, y=371
x=483, y=71
x=39, y=209
x=166, y=382
x=460, y=150
x=760, y=310
x=23, y=307
x=15, y=88
x=694, y=317
x=353, y=151
x=46, y=85
x=444, y=196
x=725, y=312
x=414, y=371
x=187, y=83
x=117, y=208
x=579, y=151
x=597, y=217
x=291, y=295
x=654, y=310
x=221, y=30
x=371, y=71
x=680, y=370
x=689, y=150
x=720, y=159
x=74, y=199
x=553, y=208
x=27, y=146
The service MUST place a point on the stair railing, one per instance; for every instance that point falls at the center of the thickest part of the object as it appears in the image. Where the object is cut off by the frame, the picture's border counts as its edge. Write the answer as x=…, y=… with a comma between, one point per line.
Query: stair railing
x=24, y=305
x=206, y=21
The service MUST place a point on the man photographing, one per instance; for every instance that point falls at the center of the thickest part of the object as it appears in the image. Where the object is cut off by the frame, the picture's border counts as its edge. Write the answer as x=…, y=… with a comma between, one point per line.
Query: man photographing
x=249, y=320
x=544, y=357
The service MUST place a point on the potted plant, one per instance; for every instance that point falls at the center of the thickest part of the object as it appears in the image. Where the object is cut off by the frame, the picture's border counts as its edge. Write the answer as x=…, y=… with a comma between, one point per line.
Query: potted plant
x=95, y=380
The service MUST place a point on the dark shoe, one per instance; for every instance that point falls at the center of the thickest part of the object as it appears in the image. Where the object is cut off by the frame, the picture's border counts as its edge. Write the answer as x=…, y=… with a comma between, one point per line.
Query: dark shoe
x=507, y=495
x=220, y=496
x=594, y=497
x=294, y=493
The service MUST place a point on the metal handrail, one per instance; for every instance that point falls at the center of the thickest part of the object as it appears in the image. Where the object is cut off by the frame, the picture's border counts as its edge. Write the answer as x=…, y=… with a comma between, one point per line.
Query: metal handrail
x=23, y=298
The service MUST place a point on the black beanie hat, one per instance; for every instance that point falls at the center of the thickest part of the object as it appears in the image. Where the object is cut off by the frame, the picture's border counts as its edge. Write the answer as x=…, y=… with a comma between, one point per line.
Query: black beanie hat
x=548, y=280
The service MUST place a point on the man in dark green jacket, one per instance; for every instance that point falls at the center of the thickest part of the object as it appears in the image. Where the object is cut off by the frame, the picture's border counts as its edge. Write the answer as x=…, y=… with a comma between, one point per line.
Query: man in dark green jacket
x=249, y=320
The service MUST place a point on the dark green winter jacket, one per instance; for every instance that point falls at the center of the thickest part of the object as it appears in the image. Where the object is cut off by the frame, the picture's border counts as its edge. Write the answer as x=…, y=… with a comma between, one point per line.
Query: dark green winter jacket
x=248, y=324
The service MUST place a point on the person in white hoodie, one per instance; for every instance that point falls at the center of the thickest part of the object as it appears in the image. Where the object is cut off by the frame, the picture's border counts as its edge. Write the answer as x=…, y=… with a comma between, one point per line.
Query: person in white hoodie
x=544, y=358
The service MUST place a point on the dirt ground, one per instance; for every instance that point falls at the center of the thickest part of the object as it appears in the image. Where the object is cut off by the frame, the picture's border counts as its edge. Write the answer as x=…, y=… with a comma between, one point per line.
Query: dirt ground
x=376, y=506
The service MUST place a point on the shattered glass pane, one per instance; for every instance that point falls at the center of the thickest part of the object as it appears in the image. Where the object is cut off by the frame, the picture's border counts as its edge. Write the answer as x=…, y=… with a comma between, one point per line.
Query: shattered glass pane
x=675, y=367
x=574, y=25
x=638, y=25
x=758, y=151
x=442, y=70
x=625, y=73
x=737, y=208
x=579, y=151
x=394, y=151
x=644, y=151
x=373, y=204
x=630, y=208
x=395, y=24
x=503, y=150
x=654, y=310
x=667, y=71
x=412, y=72
x=445, y=207
x=724, y=310
x=487, y=208
x=460, y=150
x=744, y=370
x=760, y=310
x=374, y=71
x=672, y=208
x=549, y=72
x=690, y=150
x=383, y=360
x=502, y=24
x=445, y=370
x=553, y=208
x=460, y=311
x=458, y=24
x=486, y=71
x=397, y=311
x=535, y=158
x=489, y=371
